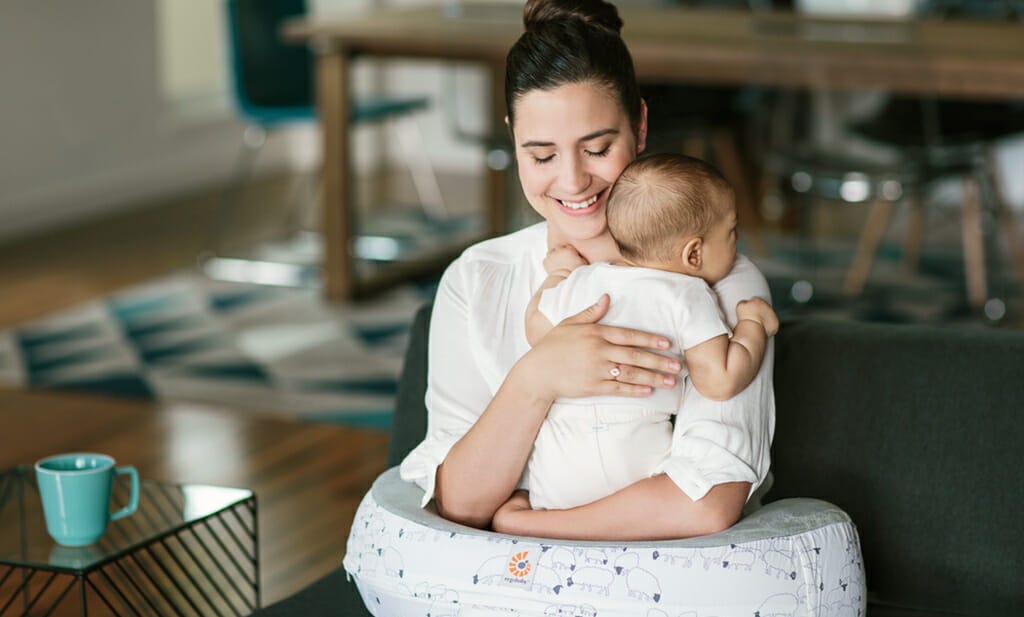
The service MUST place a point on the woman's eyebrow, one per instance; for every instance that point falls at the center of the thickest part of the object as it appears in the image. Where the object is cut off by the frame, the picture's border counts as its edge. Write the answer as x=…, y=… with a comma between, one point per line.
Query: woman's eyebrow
x=600, y=133
x=587, y=137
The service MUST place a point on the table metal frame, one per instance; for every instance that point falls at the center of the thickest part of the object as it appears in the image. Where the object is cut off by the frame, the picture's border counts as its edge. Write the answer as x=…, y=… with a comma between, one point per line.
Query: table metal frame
x=205, y=566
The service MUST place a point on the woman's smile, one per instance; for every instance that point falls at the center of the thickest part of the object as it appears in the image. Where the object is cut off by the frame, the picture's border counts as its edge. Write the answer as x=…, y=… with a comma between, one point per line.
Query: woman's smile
x=582, y=207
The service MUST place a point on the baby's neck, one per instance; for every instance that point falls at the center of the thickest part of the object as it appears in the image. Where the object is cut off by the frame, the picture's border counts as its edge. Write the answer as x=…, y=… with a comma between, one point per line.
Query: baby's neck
x=656, y=265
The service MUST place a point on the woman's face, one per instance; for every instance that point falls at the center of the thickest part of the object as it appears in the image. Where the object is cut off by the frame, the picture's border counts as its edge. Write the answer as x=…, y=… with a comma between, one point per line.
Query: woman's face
x=572, y=143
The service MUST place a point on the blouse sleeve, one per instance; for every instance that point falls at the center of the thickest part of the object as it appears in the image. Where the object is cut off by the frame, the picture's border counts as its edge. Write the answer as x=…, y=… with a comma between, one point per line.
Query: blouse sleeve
x=727, y=441
x=457, y=392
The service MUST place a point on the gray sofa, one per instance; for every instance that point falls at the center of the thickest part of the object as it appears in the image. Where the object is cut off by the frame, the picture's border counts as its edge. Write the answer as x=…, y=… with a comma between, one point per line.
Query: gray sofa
x=914, y=431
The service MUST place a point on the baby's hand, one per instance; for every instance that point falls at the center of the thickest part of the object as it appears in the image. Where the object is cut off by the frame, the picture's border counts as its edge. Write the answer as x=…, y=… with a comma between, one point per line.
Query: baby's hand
x=563, y=260
x=756, y=309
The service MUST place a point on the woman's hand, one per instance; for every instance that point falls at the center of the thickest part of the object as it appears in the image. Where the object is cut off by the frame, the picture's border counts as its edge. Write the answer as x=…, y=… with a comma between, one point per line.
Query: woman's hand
x=504, y=520
x=580, y=357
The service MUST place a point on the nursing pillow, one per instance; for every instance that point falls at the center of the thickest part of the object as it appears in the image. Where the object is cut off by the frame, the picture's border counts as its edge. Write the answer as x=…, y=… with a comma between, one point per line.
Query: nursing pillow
x=790, y=558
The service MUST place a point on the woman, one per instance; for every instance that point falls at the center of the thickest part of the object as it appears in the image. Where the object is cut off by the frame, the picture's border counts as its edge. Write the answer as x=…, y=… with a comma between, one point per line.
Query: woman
x=577, y=120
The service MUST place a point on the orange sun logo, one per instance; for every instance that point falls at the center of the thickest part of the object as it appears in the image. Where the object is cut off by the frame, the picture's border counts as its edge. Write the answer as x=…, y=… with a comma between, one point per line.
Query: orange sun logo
x=518, y=565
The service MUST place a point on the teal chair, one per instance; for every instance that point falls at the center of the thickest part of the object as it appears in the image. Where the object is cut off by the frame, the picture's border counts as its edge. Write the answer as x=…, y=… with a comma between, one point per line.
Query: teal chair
x=273, y=87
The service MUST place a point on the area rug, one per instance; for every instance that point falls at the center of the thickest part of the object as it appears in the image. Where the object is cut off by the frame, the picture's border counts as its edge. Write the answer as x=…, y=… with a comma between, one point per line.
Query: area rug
x=284, y=351
x=262, y=349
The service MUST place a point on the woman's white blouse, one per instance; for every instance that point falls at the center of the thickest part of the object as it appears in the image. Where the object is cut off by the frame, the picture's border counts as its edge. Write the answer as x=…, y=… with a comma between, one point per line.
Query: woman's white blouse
x=477, y=334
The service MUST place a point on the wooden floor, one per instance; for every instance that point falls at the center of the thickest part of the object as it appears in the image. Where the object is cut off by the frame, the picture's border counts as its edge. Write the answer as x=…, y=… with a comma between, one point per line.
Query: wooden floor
x=308, y=478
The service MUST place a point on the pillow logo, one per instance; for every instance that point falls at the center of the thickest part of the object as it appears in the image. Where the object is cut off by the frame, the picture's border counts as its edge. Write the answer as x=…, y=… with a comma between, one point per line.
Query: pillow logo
x=519, y=566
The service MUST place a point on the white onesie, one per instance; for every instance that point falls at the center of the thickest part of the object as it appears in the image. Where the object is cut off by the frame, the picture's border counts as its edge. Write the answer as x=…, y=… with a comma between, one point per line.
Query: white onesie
x=588, y=448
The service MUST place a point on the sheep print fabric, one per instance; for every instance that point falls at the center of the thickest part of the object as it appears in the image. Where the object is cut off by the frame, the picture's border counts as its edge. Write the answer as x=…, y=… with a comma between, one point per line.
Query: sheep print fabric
x=792, y=558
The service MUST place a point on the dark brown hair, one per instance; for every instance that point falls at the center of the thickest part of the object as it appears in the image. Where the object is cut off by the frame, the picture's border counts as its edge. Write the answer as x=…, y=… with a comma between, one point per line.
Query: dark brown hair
x=568, y=42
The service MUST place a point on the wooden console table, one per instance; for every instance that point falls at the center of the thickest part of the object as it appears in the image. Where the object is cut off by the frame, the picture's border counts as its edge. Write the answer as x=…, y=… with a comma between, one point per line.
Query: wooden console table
x=963, y=58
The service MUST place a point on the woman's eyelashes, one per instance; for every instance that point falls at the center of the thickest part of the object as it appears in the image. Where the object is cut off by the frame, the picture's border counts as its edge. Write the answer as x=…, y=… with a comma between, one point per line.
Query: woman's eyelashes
x=598, y=154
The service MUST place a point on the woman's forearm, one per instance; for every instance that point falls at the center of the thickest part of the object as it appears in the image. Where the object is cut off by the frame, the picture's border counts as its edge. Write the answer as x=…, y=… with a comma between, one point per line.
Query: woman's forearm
x=483, y=468
x=651, y=509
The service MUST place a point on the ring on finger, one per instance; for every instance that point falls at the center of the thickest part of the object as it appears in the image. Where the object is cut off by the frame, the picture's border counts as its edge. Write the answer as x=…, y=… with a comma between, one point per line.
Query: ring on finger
x=615, y=371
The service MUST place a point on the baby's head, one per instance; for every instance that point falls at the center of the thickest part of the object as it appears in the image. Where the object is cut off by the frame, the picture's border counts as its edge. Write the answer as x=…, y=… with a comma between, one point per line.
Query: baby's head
x=674, y=212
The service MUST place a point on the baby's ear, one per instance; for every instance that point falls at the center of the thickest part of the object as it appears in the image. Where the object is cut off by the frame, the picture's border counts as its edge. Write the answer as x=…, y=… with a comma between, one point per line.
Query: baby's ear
x=691, y=257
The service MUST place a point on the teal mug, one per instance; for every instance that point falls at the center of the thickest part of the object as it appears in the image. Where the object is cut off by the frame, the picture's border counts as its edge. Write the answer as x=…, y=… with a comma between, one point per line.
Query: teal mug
x=75, y=490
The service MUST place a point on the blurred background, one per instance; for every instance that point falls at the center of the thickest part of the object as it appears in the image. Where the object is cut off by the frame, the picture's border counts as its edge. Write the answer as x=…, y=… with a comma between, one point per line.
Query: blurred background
x=129, y=153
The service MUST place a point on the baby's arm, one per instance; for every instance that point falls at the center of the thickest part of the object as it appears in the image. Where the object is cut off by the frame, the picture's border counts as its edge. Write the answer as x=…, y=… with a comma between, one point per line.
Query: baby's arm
x=720, y=368
x=559, y=263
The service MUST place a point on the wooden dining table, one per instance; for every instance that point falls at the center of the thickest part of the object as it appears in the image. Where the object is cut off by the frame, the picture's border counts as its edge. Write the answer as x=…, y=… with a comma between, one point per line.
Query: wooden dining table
x=953, y=57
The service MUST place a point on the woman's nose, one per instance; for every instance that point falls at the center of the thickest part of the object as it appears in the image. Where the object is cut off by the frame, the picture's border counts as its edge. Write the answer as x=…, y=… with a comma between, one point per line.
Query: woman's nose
x=575, y=176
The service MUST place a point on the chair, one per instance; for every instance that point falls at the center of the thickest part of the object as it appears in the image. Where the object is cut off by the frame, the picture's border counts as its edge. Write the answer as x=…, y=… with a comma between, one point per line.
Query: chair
x=274, y=88
x=922, y=141
x=943, y=138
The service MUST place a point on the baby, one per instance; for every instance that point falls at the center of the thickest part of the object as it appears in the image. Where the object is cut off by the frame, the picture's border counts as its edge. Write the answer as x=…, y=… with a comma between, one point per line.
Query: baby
x=674, y=220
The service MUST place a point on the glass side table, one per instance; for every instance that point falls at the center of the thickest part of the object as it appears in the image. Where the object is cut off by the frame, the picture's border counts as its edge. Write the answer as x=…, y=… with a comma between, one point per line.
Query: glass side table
x=189, y=550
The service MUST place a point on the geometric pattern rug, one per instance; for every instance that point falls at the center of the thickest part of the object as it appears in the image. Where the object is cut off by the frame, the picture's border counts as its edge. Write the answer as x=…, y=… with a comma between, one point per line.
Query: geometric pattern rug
x=284, y=351
x=186, y=337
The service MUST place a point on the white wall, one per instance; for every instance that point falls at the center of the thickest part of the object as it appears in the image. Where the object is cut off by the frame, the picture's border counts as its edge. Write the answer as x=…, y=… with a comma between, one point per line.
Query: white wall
x=85, y=129
x=89, y=128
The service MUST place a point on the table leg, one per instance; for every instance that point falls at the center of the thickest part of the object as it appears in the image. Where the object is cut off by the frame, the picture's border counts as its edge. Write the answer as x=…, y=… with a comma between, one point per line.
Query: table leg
x=974, y=248
x=337, y=209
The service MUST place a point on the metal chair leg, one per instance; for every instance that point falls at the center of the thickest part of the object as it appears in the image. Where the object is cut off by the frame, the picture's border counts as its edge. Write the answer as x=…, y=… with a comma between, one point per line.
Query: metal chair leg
x=417, y=158
x=914, y=238
x=253, y=139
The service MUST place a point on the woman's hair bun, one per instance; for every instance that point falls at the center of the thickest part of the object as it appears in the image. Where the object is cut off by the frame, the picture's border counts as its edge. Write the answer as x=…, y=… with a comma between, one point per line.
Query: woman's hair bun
x=597, y=13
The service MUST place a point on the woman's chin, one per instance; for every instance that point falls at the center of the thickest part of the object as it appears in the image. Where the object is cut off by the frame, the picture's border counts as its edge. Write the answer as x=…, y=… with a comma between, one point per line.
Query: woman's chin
x=571, y=229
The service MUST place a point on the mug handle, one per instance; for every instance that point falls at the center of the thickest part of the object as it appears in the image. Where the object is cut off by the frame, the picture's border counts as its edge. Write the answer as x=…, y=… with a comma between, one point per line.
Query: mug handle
x=133, y=501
